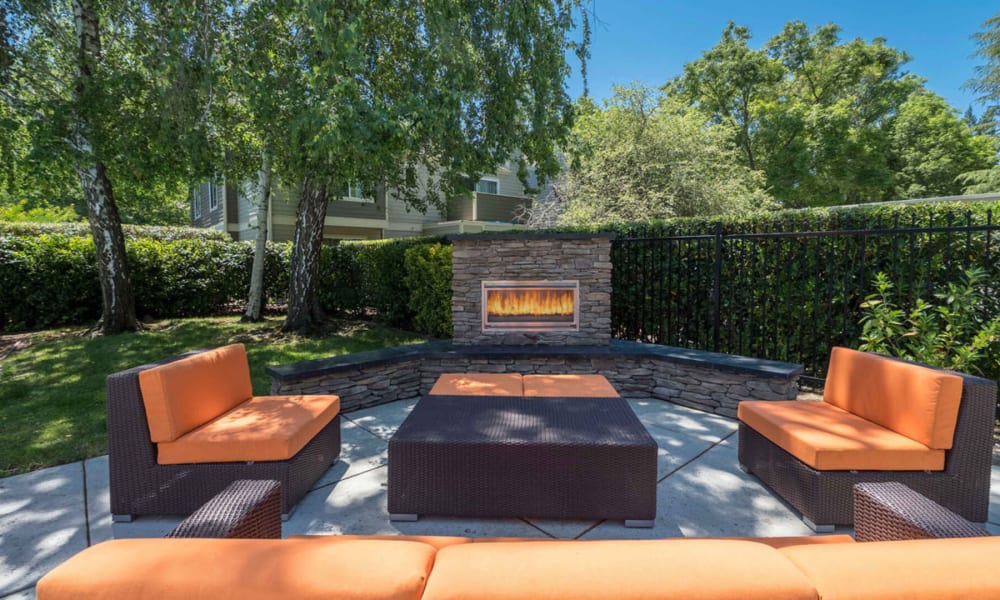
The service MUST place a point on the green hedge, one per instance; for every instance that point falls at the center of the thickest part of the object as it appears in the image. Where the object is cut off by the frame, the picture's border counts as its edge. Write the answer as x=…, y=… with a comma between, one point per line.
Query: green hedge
x=155, y=232
x=428, y=277
x=371, y=277
x=51, y=279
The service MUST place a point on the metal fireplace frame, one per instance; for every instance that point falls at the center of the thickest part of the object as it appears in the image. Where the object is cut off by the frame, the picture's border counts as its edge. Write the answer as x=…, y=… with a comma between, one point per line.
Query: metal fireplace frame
x=536, y=326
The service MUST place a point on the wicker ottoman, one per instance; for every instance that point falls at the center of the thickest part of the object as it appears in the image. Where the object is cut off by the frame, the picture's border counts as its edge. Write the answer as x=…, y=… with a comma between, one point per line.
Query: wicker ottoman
x=490, y=456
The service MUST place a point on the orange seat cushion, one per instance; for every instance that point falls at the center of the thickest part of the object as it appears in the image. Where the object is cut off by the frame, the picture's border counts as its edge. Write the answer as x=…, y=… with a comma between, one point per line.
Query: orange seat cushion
x=632, y=569
x=828, y=438
x=478, y=384
x=214, y=569
x=911, y=570
x=568, y=386
x=187, y=393
x=918, y=402
x=261, y=429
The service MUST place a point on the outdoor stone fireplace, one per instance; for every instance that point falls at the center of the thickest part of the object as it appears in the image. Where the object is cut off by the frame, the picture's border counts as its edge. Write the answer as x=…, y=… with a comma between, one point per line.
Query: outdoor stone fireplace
x=532, y=289
x=539, y=304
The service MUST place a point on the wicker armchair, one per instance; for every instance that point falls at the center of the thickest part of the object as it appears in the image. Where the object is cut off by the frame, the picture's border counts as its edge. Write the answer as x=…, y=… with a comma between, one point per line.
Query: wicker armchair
x=141, y=486
x=826, y=498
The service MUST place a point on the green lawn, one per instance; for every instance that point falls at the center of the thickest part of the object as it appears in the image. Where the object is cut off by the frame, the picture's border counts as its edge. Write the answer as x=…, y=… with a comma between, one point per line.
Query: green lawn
x=52, y=392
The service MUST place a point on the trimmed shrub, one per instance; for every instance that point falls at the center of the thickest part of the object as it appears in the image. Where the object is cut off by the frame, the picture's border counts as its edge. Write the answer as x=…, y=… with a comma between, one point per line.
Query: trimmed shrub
x=342, y=280
x=52, y=279
x=155, y=232
x=47, y=280
x=428, y=277
x=356, y=277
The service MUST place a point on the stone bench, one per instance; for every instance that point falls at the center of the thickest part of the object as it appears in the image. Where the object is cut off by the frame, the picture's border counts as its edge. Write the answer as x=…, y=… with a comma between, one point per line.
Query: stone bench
x=708, y=381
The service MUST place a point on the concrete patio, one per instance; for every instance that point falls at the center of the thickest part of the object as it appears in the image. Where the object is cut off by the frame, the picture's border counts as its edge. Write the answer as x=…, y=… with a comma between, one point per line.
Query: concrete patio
x=49, y=515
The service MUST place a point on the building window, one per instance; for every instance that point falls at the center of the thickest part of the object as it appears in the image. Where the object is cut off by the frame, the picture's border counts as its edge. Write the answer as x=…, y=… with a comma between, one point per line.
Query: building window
x=196, y=203
x=353, y=192
x=213, y=198
x=488, y=185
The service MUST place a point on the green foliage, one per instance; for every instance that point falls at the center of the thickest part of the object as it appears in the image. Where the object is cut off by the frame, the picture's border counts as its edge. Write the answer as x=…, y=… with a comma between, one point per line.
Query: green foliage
x=986, y=83
x=644, y=156
x=22, y=212
x=961, y=331
x=141, y=122
x=370, y=275
x=830, y=122
x=50, y=279
x=156, y=232
x=930, y=146
x=428, y=278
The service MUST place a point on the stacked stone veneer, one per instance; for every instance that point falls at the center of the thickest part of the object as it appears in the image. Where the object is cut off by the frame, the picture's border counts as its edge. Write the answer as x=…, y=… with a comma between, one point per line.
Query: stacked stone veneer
x=696, y=381
x=583, y=257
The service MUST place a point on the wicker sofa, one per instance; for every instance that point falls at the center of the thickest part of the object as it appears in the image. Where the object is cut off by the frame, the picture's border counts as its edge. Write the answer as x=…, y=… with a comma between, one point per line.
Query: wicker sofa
x=182, y=429
x=437, y=567
x=881, y=419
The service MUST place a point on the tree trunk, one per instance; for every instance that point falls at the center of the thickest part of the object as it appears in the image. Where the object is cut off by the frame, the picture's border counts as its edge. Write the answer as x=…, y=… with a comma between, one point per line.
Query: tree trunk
x=304, y=312
x=255, y=302
x=118, y=304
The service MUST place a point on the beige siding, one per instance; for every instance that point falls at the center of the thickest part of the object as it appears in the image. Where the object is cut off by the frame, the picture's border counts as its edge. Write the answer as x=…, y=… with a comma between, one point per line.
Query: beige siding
x=509, y=184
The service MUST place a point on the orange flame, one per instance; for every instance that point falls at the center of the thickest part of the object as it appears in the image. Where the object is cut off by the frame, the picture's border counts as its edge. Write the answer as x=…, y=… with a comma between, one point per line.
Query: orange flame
x=529, y=302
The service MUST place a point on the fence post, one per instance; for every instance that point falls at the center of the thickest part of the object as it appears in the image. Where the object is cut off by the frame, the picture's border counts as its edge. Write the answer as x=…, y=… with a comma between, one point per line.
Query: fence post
x=717, y=287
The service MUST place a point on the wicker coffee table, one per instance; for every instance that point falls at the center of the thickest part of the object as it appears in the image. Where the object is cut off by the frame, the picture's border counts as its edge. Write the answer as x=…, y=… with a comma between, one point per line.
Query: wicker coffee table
x=503, y=456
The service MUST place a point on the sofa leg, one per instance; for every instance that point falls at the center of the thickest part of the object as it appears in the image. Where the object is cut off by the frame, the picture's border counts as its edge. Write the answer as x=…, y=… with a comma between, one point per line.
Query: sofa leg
x=640, y=523
x=122, y=518
x=402, y=517
x=818, y=528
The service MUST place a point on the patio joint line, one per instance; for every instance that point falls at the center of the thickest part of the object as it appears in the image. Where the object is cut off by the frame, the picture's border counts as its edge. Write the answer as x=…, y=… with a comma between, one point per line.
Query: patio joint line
x=536, y=527
x=86, y=502
x=696, y=457
x=326, y=485
x=19, y=590
x=365, y=428
x=594, y=526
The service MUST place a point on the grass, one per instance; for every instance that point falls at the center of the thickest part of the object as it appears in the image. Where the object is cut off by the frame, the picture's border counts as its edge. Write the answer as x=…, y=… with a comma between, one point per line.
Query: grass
x=52, y=396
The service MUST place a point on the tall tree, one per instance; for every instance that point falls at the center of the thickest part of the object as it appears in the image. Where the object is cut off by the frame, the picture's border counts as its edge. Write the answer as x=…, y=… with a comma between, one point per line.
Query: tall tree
x=930, y=146
x=809, y=109
x=379, y=93
x=986, y=83
x=644, y=156
x=77, y=72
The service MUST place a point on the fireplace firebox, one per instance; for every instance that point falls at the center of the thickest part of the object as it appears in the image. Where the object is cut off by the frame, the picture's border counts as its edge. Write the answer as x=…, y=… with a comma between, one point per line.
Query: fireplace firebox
x=531, y=305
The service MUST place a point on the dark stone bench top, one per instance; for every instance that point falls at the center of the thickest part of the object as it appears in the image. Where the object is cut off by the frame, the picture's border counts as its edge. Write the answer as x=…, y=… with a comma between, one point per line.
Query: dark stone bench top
x=616, y=349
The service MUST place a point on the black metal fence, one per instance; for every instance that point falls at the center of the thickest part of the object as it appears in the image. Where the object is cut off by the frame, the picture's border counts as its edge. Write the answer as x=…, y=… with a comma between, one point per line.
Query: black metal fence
x=785, y=295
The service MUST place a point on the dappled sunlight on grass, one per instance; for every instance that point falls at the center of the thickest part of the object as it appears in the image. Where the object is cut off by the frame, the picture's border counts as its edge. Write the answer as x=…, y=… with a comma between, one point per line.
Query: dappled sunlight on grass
x=52, y=393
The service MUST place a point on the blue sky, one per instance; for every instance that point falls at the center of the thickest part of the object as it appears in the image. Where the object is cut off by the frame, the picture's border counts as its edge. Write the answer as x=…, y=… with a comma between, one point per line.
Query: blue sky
x=651, y=41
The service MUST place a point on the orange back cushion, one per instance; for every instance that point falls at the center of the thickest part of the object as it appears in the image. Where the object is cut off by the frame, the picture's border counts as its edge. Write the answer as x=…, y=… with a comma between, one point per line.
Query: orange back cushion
x=187, y=393
x=247, y=569
x=918, y=402
x=912, y=570
x=621, y=569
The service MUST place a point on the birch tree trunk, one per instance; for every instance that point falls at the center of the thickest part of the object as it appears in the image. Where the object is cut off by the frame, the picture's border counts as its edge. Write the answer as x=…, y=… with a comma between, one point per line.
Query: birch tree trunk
x=118, y=304
x=304, y=311
x=255, y=302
